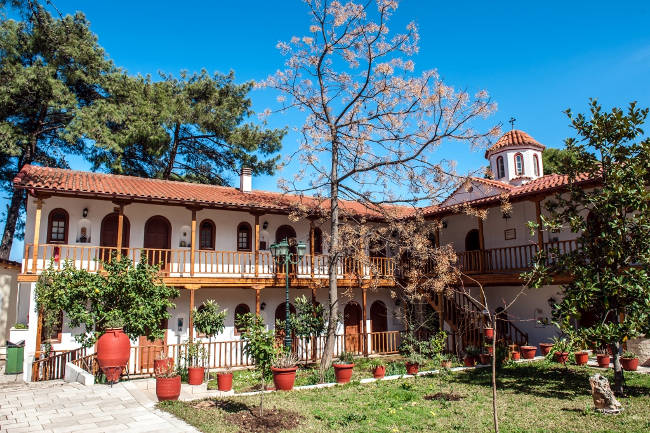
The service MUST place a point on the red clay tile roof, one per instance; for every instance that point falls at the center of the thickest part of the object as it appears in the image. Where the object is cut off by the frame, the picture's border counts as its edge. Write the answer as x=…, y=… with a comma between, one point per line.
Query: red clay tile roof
x=108, y=186
x=514, y=138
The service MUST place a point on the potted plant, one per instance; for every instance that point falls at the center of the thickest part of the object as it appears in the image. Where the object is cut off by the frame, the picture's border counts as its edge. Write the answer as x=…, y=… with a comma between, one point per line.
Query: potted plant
x=602, y=357
x=581, y=357
x=471, y=353
x=528, y=352
x=413, y=362
x=445, y=361
x=488, y=332
x=378, y=368
x=161, y=360
x=195, y=358
x=209, y=320
x=515, y=355
x=113, y=349
x=343, y=368
x=168, y=383
x=545, y=348
x=489, y=349
x=561, y=348
x=284, y=371
x=485, y=358
x=629, y=361
x=224, y=379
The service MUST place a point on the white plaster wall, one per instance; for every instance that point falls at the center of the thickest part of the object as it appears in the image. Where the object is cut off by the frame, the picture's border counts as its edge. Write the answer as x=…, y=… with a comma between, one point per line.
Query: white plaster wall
x=458, y=225
x=8, y=301
x=472, y=191
x=495, y=225
x=509, y=162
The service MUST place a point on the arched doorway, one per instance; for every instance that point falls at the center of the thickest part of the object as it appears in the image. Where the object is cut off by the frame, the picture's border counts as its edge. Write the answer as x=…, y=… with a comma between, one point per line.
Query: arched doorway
x=352, y=323
x=280, y=317
x=157, y=240
x=379, y=325
x=108, y=234
x=472, y=242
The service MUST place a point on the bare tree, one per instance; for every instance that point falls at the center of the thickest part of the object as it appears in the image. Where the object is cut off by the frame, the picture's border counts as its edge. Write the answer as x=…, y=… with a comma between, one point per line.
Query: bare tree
x=371, y=123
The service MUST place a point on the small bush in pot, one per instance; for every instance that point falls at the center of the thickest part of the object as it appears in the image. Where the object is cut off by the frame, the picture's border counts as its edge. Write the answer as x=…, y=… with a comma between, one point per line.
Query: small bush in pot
x=446, y=361
x=224, y=379
x=545, y=348
x=515, y=355
x=209, y=320
x=528, y=352
x=378, y=368
x=629, y=361
x=284, y=371
x=168, y=383
x=560, y=350
x=195, y=359
x=603, y=358
x=471, y=355
x=413, y=362
x=343, y=368
x=161, y=360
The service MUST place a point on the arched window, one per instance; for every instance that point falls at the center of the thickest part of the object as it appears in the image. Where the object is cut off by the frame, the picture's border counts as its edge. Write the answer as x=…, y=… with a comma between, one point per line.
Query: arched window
x=536, y=165
x=240, y=310
x=519, y=164
x=244, y=237
x=206, y=235
x=57, y=227
x=501, y=169
x=318, y=241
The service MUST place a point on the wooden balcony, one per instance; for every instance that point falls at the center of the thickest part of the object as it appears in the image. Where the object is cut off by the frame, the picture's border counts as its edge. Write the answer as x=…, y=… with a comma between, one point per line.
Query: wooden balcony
x=177, y=264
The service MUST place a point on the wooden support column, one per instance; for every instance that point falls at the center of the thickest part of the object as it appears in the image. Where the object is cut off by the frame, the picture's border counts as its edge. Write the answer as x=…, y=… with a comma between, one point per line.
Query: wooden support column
x=120, y=229
x=37, y=234
x=257, y=301
x=193, y=244
x=540, y=232
x=311, y=247
x=257, y=245
x=438, y=237
x=481, y=240
x=364, y=299
x=190, y=325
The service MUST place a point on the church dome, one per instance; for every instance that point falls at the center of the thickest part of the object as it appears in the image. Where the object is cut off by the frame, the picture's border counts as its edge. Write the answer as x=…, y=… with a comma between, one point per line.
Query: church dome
x=514, y=139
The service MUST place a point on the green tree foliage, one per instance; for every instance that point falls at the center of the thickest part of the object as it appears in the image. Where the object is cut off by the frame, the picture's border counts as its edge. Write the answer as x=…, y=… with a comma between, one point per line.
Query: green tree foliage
x=208, y=319
x=194, y=128
x=610, y=291
x=553, y=160
x=132, y=294
x=260, y=343
x=50, y=70
x=309, y=319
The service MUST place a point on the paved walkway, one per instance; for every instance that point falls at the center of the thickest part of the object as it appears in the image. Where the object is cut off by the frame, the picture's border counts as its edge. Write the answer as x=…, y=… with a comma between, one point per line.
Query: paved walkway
x=56, y=406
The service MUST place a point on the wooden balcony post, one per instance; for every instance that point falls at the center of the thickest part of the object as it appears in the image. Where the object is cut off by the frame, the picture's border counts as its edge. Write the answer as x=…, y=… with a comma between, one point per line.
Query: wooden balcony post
x=193, y=243
x=311, y=246
x=481, y=240
x=257, y=245
x=540, y=232
x=257, y=300
x=120, y=229
x=364, y=299
x=37, y=234
x=190, y=325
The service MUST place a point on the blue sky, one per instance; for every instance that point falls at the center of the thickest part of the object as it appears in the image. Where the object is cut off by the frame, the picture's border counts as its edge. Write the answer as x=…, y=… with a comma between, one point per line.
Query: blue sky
x=535, y=58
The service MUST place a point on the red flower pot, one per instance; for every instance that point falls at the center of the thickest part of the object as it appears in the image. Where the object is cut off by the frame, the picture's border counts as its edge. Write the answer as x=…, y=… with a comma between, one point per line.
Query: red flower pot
x=283, y=378
x=581, y=358
x=113, y=350
x=168, y=388
x=545, y=348
x=469, y=361
x=603, y=360
x=162, y=364
x=224, y=381
x=488, y=332
x=343, y=372
x=490, y=350
x=485, y=358
x=515, y=356
x=528, y=352
x=561, y=357
x=195, y=375
x=412, y=368
x=630, y=364
x=379, y=372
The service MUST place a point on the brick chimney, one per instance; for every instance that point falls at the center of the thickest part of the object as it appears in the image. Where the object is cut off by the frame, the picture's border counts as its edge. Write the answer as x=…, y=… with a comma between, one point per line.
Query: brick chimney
x=246, y=179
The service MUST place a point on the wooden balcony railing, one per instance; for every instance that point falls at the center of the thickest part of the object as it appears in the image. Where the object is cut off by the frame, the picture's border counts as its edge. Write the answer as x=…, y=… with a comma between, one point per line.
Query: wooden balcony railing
x=206, y=262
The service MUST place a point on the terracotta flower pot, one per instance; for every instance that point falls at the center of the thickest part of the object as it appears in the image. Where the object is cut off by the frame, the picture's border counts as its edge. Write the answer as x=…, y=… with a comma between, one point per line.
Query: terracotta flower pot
x=446, y=364
x=379, y=372
x=195, y=375
x=283, y=378
x=162, y=364
x=528, y=352
x=343, y=372
x=113, y=350
x=224, y=381
x=490, y=350
x=469, y=361
x=603, y=360
x=515, y=356
x=630, y=364
x=561, y=357
x=488, y=332
x=412, y=368
x=545, y=348
x=168, y=388
x=581, y=358
x=485, y=358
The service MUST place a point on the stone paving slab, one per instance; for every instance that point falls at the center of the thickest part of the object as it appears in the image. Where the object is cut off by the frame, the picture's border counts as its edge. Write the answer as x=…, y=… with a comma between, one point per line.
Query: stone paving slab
x=57, y=406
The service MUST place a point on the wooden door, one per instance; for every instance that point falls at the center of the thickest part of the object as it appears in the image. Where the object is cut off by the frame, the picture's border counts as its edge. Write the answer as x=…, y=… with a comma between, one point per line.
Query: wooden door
x=108, y=234
x=379, y=323
x=287, y=232
x=352, y=323
x=148, y=350
x=157, y=238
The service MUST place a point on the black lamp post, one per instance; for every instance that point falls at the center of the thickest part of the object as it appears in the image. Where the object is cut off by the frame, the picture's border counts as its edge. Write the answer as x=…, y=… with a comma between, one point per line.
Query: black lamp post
x=281, y=252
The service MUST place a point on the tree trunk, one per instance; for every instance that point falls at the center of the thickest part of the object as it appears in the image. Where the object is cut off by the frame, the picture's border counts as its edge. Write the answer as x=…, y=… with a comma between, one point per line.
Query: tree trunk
x=172, y=153
x=619, y=379
x=10, y=225
x=328, y=351
x=495, y=414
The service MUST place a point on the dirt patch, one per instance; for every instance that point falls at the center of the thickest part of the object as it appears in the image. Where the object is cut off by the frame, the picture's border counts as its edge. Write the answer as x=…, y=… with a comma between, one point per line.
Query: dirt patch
x=229, y=406
x=273, y=420
x=447, y=396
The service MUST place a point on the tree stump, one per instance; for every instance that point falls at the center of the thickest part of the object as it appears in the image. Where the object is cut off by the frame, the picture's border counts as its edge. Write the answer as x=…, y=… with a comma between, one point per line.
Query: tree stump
x=604, y=398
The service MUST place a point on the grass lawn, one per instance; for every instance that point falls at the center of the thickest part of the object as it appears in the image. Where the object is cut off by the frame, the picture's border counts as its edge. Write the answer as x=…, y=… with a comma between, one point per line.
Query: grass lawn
x=537, y=397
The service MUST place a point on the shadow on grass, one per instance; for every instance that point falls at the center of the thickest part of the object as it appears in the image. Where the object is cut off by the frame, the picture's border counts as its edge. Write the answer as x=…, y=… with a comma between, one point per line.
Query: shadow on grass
x=541, y=380
x=229, y=406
